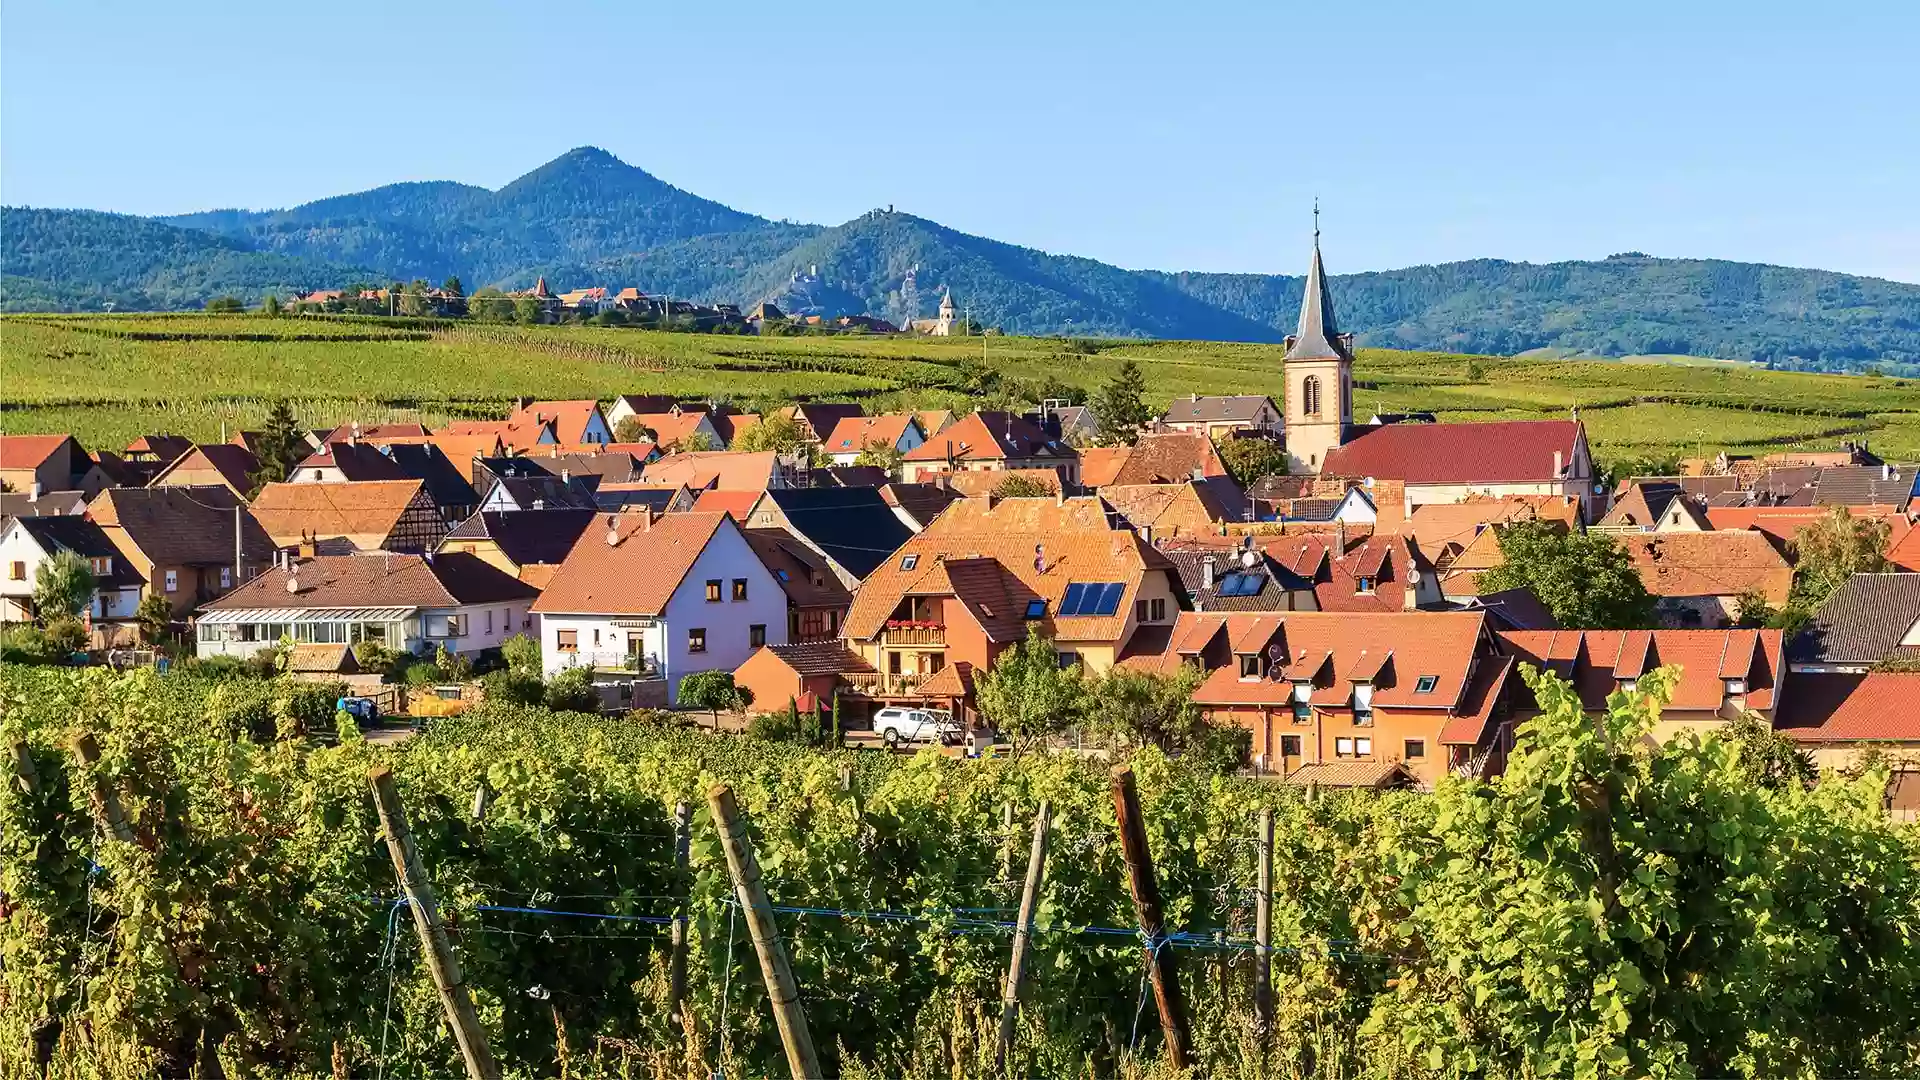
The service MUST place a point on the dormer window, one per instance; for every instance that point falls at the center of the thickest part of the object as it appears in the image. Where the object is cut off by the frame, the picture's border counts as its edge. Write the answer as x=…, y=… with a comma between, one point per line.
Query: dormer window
x=1736, y=686
x=909, y=561
x=1426, y=684
x=1250, y=666
x=1363, y=585
x=1302, y=711
x=1628, y=685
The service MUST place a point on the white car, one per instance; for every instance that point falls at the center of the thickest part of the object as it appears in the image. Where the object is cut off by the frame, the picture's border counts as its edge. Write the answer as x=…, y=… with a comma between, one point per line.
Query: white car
x=899, y=725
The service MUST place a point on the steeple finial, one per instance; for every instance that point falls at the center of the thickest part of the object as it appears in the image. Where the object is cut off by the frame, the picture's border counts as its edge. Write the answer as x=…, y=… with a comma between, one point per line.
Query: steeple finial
x=1316, y=223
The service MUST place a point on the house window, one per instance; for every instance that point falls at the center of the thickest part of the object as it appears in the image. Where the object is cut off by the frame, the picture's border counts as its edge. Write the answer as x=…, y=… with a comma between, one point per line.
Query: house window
x=713, y=590
x=1068, y=659
x=103, y=565
x=1363, y=747
x=766, y=517
x=1736, y=686
x=226, y=577
x=1363, y=585
x=17, y=571
x=173, y=581
x=909, y=561
x=1250, y=666
x=1159, y=609
x=1362, y=717
x=697, y=639
x=893, y=663
x=489, y=620
x=1302, y=711
x=739, y=588
x=756, y=635
x=813, y=623
x=1343, y=747
x=1036, y=609
x=1139, y=611
x=1289, y=746
x=833, y=622
x=1426, y=684
x=567, y=641
x=1310, y=395
x=781, y=574
x=1416, y=749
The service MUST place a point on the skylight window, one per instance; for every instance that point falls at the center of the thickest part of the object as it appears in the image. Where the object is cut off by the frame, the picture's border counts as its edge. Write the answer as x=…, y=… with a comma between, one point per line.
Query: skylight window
x=1036, y=609
x=781, y=574
x=908, y=562
x=1426, y=684
x=1092, y=598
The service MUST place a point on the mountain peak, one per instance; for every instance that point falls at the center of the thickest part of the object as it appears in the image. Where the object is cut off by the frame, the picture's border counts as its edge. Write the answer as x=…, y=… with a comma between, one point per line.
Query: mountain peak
x=587, y=155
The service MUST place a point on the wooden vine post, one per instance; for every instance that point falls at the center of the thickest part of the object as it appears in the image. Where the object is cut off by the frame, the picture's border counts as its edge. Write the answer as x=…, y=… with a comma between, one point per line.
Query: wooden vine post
x=454, y=996
x=1162, y=968
x=106, y=801
x=677, y=957
x=1263, y=931
x=1022, y=933
x=782, y=992
x=24, y=773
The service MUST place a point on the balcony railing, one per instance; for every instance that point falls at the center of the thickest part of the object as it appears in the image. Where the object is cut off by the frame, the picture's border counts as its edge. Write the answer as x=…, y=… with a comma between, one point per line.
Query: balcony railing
x=881, y=684
x=915, y=633
x=613, y=662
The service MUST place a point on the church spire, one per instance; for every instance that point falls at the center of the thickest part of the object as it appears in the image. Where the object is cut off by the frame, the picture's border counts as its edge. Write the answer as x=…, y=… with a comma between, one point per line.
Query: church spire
x=1318, y=336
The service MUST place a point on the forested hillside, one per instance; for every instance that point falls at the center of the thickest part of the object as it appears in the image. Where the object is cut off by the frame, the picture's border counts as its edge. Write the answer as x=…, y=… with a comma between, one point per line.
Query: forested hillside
x=588, y=218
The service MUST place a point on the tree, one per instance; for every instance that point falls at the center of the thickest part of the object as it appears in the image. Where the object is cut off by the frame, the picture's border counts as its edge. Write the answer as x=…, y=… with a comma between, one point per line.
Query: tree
x=1585, y=579
x=1016, y=486
x=1121, y=405
x=225, y=305
x=631, y=430
x=881, y=455
x=490, y=305
x=1140, y=708
x=695, y=443
x=573, y=691
x=1769, y=759
x=281, y=446
x=62, y=586
x=713, y=691
x=452, y=286
x=777, y=431
x=1249, y=460
x=526, y=309
x=155, y=617
x=1833, y=549
x=1028, y=693
x=270, y=307
x=521, y=654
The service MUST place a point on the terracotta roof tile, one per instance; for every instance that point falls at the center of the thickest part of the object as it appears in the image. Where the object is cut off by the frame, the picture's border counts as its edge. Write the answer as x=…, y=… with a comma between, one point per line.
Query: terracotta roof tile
x=1881, y=706
x=1590, y=657
x=1100, y=464
x=372, y=581
x=1709, y=564
x=1367, y=775
x=1506, y=451
x=335, y=509
x=855, y=433
x=991, y=436
x=638, y=574
x=188, y=526
x=28, y=451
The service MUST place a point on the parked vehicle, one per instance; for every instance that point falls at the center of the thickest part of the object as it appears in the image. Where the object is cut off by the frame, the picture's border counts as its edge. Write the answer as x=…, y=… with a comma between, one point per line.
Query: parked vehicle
x=901, y=725
x=363, y=709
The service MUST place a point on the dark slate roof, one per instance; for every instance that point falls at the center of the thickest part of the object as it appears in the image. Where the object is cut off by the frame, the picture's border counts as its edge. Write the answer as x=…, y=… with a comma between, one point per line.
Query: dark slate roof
x=1314, y=509
x=576, y=492
x=425, y=461
x=657, y=499
x=1318, y=336
x=1404, y=418
x=26, y=504
x=850, y=476
x=1862, y=485
x=1190, y=564
x=82, y=537
x=854, y=526
x=1862, y=622
x=1194, y=409
x=1515, y=609
x=504, y=467
x=525, y=536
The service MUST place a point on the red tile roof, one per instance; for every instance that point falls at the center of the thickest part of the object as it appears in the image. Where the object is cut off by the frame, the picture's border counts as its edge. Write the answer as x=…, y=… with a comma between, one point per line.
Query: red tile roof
x=28, y=451
x=569, y=418
x=991, y=436
x=1500, y=452
x=1395, y=649
x=637, y=574
x=1881, y=706
x=733, y=503
x=1599, y=659
x=855, y=433
x=1709, y=564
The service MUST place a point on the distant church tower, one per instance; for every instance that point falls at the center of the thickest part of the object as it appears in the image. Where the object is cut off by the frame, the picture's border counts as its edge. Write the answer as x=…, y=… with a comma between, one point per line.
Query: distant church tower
x=943, y=326
x=1319, y=369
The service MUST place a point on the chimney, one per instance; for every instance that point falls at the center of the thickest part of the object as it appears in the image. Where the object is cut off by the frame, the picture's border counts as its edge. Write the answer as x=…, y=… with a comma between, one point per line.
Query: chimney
x=564, y=477
x=1060, y=496
x=1339, y=538
x=33, y=491
x=1206, y=572
x=308, y=547
x=353, y=435
x=646, y=519
x=1559, y=464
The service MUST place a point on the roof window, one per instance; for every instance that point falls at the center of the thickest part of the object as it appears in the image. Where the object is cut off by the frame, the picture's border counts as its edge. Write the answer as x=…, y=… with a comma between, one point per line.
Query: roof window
x=1426, y=684
x=909, y=561
x=1036, y=609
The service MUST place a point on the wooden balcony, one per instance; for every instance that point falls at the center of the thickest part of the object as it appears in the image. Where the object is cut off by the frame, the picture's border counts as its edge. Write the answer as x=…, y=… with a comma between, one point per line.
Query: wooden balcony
x=917, y=633
x=877, y=684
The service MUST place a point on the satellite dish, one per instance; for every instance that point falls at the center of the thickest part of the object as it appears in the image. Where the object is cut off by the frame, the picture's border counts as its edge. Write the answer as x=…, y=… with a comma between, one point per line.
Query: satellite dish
x=1413, y=576
x=1249, y=560
x=1277, y=652
x=293, y=583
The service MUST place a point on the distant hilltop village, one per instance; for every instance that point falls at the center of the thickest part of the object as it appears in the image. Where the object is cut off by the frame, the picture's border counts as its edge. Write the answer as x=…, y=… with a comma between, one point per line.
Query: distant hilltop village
x=808, y=304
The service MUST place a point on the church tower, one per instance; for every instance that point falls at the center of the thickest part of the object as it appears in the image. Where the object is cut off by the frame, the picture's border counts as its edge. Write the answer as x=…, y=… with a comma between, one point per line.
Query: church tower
x=1319, y=369
x=943, y=326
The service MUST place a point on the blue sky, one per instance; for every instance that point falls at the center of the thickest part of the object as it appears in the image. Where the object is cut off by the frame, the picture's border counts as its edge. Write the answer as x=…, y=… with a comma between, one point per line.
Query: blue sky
x=1169, y=135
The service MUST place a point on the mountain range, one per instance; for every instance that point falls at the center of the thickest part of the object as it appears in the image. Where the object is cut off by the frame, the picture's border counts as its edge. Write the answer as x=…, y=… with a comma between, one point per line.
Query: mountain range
x=587, y=218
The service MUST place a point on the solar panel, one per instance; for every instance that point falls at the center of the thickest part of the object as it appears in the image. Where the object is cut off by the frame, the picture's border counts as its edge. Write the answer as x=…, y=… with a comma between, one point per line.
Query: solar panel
x=1070, y=603
x=1092, y=598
